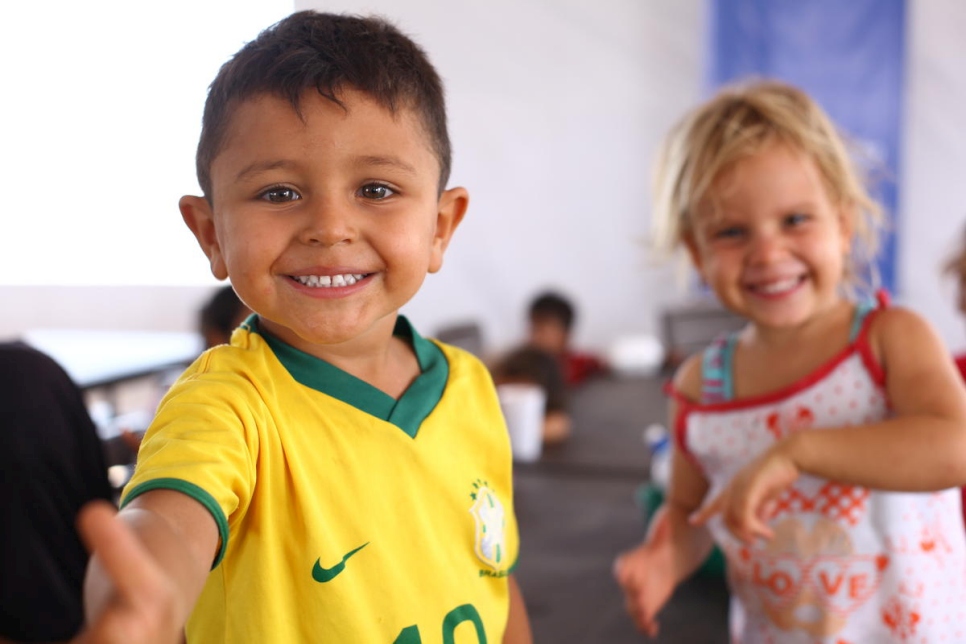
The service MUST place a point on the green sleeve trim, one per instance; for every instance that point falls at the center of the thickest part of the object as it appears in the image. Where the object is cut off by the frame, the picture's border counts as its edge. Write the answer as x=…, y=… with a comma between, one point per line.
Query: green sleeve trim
x=196, y=493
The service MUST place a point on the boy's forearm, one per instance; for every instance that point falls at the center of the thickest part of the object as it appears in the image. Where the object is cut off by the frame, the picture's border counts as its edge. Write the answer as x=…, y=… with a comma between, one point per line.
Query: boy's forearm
x=911, y=454
x=183, y=571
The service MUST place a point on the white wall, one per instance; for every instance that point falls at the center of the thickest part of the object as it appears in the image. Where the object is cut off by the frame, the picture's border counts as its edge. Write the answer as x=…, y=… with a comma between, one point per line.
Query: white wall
x=933, y=188
x=556, y=109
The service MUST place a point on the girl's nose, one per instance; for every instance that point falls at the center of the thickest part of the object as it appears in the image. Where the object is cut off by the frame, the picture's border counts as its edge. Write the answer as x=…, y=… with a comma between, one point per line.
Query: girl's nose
x=327, y=223
x=766, y=248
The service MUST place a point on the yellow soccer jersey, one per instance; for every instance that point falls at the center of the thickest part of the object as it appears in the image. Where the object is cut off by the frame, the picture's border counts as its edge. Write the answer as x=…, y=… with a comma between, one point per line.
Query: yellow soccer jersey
x=345, y=515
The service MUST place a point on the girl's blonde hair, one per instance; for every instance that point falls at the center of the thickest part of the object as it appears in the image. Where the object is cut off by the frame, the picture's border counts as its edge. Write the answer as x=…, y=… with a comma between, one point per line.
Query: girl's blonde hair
x=738, y=122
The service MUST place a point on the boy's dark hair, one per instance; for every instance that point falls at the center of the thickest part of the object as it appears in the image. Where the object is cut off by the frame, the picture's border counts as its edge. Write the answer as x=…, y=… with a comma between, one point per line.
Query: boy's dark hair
x=327, y=52
x=554, y=306
x=221, y=311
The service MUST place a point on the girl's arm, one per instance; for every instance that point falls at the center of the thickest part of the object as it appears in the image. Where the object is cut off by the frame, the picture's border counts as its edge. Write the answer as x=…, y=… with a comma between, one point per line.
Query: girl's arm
x=673, y=548
x=922, y=447
x=149, y=565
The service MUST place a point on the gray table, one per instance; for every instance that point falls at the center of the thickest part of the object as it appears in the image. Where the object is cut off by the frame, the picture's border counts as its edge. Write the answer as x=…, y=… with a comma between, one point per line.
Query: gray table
x=576, y=511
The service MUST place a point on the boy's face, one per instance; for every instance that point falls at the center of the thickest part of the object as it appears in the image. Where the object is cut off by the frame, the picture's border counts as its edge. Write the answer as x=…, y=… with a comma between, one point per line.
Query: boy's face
x=549, y=334
x=326, y=225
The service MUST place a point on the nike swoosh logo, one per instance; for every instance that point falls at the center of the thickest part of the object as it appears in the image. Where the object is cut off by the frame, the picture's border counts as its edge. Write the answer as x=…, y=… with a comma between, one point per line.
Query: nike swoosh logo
x=323, y=575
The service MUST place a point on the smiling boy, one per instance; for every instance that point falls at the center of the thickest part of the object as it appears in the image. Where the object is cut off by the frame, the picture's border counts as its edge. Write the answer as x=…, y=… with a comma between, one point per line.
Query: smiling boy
x=342, y=478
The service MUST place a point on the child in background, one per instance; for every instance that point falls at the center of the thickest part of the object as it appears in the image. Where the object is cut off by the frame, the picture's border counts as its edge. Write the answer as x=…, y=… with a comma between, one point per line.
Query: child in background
x=820, y=445
x=221, y=314
x=533, y=365
x=342, y=478
x=551, y=318
x=956, y=268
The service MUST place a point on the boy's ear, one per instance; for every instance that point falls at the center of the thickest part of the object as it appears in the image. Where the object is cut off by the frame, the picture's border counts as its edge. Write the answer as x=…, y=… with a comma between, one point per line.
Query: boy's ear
x=197, y=214
x=452, y=207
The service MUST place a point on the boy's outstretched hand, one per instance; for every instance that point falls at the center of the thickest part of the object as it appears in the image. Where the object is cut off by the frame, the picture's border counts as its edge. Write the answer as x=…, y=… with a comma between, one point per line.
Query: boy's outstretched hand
x=747, y=502
x=142, y=605
x=646, y=575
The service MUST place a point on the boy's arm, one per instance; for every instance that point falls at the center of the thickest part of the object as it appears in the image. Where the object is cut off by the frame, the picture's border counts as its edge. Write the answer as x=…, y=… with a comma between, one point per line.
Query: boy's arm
x=149, y=564
x=518, y=623
x=922, y=447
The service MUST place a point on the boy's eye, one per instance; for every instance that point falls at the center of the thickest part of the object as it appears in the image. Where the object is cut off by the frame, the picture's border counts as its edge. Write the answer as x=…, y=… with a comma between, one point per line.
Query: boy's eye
x=376, y=191
x=279, y=194
x=796, y=219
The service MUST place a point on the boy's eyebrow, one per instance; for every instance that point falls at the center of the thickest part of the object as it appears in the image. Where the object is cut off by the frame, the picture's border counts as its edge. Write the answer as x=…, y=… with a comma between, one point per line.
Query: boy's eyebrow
x=263, y=166
x=385, y=161
x=362, y=161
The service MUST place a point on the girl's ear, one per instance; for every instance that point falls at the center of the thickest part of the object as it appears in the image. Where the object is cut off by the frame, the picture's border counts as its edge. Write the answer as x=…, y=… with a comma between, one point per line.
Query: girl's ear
x=197, y=214
x=847, y=214
x=694, y=252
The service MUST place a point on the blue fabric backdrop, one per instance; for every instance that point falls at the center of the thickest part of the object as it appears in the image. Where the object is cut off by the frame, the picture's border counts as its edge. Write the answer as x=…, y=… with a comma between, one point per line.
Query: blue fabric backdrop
x=848, y=54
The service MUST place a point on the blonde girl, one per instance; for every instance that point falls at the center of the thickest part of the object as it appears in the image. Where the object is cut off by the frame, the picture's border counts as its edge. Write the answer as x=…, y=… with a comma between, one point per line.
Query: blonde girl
x=819, y=445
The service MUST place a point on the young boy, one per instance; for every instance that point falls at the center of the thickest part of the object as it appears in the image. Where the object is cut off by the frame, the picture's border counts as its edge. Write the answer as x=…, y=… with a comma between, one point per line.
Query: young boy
x=551, y=317
x=342, y=478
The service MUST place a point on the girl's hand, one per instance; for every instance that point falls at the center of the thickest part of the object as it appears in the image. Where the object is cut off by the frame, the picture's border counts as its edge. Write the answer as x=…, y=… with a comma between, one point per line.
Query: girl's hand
x=646, y=575
x=143, y=602
x=747, y=502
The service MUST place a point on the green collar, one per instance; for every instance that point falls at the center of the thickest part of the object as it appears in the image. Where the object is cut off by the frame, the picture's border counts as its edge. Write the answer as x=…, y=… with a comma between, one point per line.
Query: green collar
x=407, y=413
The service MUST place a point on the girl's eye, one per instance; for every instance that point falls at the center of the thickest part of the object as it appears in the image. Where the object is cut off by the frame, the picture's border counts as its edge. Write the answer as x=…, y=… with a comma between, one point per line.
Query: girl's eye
x=796, y=219
x=376, y=191
x=731, y=232
x=280, y=194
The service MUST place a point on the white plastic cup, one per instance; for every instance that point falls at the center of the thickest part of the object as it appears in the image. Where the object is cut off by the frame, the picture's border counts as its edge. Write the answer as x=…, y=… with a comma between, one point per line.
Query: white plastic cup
x=523, y=408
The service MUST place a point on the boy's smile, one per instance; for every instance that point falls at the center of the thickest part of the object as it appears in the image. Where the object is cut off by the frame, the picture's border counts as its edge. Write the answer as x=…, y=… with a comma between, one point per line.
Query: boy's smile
x=326, y=224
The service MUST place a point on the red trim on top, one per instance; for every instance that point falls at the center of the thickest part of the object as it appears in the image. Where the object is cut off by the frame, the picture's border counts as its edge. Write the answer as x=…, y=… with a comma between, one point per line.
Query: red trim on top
x=883, y=298
x=679, y=430
x=860, y=345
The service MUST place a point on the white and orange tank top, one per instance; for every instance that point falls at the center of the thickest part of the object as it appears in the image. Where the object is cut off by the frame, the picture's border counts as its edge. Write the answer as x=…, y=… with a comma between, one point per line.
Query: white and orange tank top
x=847, y=565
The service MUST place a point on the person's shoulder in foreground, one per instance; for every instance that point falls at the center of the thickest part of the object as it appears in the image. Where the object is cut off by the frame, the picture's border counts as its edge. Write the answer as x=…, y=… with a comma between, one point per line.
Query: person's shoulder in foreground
x=52, y=464
x=329, y=457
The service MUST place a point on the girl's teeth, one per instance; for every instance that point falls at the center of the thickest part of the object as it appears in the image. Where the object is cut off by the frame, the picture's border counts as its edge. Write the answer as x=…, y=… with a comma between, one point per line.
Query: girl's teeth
x=778, y=287
x=328, y=281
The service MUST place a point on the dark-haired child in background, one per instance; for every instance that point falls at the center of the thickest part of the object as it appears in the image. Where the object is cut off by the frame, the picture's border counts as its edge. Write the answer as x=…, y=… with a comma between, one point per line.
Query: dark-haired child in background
x=551, y=318
x=221, y=315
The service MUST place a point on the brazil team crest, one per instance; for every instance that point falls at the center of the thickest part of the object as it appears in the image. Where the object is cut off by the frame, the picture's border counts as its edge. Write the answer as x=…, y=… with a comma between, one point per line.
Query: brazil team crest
x=490, y=520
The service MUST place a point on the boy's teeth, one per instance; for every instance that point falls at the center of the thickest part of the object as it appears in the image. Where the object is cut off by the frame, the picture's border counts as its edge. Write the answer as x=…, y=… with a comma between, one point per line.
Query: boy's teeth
x=778, y=287
x=326, y=281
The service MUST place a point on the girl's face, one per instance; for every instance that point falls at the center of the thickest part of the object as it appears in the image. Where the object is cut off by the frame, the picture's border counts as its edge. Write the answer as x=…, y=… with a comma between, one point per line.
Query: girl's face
x=769, y=241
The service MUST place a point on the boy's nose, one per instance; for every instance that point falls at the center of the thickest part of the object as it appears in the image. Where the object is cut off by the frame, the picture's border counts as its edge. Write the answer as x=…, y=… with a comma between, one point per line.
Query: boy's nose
x=327, y=223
